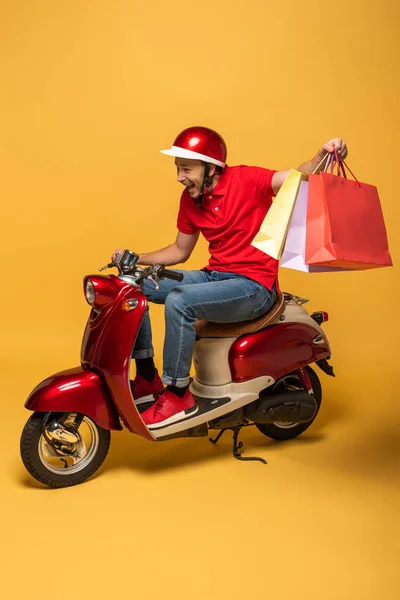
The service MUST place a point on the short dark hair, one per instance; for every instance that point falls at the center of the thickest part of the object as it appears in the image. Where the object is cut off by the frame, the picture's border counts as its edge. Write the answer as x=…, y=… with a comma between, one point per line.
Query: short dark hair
x=218, y=169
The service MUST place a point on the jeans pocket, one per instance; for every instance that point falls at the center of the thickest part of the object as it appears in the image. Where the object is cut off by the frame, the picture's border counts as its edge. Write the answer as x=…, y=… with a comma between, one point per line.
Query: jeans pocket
x=266, y=303
x=255, y=289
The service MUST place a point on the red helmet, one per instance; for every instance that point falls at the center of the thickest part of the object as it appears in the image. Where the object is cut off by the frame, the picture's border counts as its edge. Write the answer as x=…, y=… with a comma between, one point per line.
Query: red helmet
x=199, y=143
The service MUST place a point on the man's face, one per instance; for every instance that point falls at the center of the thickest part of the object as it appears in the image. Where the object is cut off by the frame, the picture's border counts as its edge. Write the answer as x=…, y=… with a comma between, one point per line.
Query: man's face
x=190, y=174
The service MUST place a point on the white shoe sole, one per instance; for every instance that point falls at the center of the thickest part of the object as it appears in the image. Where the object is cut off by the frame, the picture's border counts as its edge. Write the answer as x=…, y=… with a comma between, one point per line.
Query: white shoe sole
x=185, y=414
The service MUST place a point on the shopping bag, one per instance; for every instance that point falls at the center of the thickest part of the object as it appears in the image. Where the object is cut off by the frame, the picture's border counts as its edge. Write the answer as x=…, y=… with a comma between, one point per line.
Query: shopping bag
x=293, y=256
x=272, y=235
x=345, y=224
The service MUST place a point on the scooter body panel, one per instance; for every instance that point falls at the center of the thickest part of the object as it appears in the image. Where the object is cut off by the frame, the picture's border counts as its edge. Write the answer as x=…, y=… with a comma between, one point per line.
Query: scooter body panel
x=240, y=368
x=75, y=390
x=292, y=341
x=256, y=361
x=275, y=351
x=107, y=347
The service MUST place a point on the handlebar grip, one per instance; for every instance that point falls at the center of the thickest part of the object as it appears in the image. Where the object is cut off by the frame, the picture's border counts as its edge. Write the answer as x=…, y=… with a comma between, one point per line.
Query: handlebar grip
x=169, y=274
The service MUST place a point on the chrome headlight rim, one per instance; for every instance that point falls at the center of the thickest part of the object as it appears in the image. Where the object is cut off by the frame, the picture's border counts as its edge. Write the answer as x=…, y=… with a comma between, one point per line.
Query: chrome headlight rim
x=90, y=293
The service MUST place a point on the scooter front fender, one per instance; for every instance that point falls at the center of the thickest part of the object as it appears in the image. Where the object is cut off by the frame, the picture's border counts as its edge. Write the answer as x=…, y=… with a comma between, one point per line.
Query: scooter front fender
x=75, y=390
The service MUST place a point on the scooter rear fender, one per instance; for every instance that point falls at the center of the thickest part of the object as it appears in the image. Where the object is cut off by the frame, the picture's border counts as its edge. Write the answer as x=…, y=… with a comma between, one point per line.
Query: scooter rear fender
x=75, y=390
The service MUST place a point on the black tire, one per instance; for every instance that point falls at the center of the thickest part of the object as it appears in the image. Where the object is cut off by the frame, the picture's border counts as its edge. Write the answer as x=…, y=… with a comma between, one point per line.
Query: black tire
x=289, y=432
x=31, y=440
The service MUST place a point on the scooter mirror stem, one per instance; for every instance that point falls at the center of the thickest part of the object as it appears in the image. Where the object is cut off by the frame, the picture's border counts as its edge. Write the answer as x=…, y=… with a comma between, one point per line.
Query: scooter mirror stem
x=109, y=266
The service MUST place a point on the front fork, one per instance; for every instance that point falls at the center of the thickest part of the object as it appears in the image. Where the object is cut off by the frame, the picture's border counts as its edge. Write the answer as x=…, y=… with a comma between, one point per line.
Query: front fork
x=57, y=432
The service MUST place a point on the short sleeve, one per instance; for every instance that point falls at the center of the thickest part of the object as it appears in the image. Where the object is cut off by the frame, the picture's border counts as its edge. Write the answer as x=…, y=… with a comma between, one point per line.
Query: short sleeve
x=264, y=181
x=184, y=222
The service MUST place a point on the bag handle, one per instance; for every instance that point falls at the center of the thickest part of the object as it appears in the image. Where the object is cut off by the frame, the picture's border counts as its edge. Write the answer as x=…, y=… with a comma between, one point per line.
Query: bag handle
x=320, y=163
x=328, y=162
x=341, y=164
x=331, y=162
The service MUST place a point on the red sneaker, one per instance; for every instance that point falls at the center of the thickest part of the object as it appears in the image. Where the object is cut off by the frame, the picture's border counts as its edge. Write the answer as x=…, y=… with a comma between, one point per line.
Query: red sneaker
x=143, y=390
x=169, y=409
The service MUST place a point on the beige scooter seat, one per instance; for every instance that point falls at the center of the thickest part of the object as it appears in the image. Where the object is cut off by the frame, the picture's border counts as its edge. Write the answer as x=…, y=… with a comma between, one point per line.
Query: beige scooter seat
x=210, y=329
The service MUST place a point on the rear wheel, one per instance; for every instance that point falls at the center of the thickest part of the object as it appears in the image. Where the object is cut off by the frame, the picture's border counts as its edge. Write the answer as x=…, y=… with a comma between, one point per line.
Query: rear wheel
x=63, y=462
x=286, y=431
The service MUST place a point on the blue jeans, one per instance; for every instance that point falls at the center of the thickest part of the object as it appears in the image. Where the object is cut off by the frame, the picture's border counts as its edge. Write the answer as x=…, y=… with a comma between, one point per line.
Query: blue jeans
x=209, y=295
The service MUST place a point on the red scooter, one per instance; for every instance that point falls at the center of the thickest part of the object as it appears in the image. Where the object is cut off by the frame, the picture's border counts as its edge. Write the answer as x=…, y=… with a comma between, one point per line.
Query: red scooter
x=252, y=373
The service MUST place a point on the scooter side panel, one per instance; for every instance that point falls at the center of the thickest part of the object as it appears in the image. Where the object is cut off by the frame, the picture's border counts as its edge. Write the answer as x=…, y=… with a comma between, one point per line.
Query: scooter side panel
x=75, y=390
x=112, y=357
x=275, y=351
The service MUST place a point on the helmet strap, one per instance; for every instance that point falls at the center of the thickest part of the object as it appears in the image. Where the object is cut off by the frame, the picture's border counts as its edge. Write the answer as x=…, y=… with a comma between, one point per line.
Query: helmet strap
x=207, y=183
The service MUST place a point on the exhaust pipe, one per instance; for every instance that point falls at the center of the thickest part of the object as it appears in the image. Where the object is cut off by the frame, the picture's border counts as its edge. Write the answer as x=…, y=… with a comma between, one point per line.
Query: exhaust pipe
x=288, y=407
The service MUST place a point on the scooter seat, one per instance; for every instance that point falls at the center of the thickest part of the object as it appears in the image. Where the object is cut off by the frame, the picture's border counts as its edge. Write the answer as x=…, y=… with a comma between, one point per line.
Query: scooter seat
x=210, y=329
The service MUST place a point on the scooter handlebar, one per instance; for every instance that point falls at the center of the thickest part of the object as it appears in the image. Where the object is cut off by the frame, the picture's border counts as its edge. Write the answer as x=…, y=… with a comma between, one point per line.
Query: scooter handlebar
x=162, y=272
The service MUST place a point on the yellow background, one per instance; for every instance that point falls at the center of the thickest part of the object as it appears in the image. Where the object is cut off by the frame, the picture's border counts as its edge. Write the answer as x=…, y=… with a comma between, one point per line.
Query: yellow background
x=90, y=91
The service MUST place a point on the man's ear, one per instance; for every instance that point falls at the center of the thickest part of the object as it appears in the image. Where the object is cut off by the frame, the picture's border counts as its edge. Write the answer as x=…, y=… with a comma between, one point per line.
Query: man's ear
x=213, y=170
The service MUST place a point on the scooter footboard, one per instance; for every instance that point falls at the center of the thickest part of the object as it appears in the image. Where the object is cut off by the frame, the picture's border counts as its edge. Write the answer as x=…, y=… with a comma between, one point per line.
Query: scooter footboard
x=75, y=390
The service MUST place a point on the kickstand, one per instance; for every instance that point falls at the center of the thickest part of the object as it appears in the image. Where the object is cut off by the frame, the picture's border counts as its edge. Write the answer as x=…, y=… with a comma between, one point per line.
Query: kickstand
x=237, y=446
x=215, y=440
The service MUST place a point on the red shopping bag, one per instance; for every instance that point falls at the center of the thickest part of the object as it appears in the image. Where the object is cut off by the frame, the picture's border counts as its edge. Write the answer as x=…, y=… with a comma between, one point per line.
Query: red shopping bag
x=345, y=225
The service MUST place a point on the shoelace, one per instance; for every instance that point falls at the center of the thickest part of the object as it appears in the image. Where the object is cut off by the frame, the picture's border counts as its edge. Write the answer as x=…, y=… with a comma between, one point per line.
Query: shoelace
x=159, y=403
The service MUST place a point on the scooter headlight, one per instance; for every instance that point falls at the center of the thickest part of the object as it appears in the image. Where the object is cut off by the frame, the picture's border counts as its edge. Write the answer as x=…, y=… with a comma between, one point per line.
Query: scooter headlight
x=89, y=292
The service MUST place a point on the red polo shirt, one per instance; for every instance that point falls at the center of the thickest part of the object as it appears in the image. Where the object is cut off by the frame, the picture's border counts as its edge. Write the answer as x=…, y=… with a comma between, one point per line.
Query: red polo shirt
x=230, y=219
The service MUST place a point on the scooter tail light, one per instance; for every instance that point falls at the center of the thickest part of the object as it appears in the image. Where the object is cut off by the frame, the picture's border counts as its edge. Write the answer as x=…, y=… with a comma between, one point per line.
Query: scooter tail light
x=320, y=317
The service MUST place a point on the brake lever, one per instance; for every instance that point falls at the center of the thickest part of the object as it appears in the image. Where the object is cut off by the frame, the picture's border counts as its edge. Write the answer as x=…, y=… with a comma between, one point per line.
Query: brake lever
x=154, y=281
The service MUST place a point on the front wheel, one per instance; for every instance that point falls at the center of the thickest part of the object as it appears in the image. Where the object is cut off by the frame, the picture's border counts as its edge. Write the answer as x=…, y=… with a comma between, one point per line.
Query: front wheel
x=61, y=457
x=286, y=431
